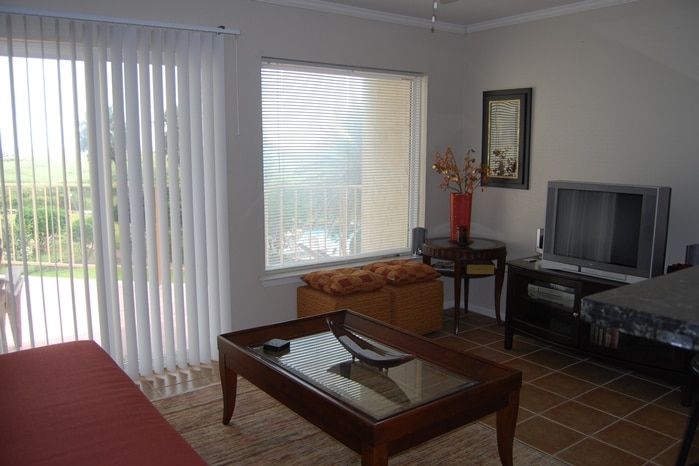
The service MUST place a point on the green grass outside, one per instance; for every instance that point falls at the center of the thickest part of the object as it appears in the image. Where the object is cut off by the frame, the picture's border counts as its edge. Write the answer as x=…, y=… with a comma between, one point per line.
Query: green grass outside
x=45, y=170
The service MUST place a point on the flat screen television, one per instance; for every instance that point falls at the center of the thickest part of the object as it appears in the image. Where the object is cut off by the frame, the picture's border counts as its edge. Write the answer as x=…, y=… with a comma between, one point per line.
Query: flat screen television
x=618, y=232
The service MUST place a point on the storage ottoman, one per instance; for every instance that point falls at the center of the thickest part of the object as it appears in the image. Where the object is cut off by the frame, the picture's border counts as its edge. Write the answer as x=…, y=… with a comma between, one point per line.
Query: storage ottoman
x=417, y=307
x=417, y=297
x=403, y=293
x=376, y=304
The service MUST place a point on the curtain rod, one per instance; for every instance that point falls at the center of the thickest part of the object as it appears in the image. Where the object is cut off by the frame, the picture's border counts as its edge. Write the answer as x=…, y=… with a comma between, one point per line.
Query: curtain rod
x=106, y=19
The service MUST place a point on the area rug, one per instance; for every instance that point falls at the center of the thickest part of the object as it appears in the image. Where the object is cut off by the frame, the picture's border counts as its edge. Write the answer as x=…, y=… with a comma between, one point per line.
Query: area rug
x=265, y=432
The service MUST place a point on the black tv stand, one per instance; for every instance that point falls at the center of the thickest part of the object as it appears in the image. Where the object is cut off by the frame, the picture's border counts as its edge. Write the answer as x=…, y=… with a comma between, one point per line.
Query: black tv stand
x=545, y=304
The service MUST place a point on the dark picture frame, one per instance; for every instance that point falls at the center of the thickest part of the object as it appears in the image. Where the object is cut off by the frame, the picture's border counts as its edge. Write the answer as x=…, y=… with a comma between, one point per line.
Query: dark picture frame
x=507, y=116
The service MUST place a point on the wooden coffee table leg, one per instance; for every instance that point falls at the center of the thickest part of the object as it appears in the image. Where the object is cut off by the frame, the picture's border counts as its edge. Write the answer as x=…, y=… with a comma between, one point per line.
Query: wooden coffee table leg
x=374, y=456
x=229, y=385
x=506, y=421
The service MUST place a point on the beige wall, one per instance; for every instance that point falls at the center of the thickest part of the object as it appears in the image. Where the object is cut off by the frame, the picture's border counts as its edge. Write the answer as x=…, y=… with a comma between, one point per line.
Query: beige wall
x=615, y=98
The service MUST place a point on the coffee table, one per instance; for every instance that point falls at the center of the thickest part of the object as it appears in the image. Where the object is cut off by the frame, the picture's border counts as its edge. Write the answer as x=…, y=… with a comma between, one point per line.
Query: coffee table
x=375, y=412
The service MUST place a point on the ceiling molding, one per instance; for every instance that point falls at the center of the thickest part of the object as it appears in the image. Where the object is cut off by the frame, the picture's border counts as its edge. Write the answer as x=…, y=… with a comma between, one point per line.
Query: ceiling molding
x=329, y=7
x=578, y=7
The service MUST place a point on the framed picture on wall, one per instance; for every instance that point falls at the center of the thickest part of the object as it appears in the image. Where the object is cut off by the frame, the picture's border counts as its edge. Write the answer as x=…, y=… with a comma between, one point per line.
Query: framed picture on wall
x=507, y=118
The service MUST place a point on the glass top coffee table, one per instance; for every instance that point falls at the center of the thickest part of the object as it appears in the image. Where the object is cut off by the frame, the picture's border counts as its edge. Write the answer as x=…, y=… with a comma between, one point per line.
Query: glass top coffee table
x=383, y=410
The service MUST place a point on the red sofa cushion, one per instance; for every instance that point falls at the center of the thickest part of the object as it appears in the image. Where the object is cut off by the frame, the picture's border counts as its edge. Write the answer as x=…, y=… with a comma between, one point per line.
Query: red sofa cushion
x=70, y=404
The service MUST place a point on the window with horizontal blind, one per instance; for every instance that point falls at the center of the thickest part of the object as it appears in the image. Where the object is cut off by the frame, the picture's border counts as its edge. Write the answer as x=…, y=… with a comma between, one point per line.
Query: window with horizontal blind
x=341, y=150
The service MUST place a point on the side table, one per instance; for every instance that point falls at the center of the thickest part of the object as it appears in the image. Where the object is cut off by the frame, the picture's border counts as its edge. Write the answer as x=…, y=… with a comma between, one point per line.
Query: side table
x=478, y=250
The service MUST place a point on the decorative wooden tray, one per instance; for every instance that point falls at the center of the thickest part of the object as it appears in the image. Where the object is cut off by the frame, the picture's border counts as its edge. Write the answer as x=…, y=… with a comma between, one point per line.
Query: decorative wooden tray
x=365, y=351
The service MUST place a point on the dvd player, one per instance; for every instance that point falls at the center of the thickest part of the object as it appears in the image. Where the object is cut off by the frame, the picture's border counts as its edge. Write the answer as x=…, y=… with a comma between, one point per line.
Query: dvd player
x=543, y=293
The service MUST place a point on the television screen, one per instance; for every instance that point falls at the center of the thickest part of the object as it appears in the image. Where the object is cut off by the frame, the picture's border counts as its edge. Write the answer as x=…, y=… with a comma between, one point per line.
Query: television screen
x=598, y=226
x=612, y=231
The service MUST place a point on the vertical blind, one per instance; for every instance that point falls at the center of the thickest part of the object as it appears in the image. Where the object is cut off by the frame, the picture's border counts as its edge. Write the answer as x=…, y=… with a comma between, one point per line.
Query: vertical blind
x=341, y=150
x=114, y=196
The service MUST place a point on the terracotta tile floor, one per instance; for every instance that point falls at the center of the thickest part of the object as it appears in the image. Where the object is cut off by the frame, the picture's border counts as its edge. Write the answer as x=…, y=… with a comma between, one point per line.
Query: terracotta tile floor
x=576, y=409
x=580, y=411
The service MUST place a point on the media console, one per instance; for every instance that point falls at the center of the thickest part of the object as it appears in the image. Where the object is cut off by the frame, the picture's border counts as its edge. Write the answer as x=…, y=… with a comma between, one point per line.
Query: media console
x=545, y=304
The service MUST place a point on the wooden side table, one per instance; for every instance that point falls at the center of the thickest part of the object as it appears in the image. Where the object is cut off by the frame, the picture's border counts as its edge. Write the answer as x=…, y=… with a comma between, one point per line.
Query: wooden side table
x=479, y=249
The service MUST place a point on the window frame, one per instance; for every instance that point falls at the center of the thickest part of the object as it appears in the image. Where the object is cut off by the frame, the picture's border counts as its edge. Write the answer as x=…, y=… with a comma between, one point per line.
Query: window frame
x=416, y=173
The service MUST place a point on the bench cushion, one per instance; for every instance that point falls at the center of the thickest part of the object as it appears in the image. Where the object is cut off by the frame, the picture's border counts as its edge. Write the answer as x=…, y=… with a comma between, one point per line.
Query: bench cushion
x=402, y=271
x=344, y=281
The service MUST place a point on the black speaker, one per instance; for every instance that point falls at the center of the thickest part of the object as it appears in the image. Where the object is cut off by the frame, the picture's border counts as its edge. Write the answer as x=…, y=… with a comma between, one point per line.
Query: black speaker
x=540, y=240
x=692, y=254
x=419, y=237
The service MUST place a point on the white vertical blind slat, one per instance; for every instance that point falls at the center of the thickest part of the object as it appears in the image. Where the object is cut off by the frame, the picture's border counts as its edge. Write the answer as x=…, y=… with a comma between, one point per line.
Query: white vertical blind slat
x=36, y=125
x=62, y=117
x=87, y=311
x=20, y=199
x=183, y=77
x=197, y=50
x=162, y=141
x=150, y=52
x=103, y=158
x=225, y=311
x=92, y=79
x=173, y=50
x=210, y=285
x=134, y=101
x=30, y=127
x=119, y=111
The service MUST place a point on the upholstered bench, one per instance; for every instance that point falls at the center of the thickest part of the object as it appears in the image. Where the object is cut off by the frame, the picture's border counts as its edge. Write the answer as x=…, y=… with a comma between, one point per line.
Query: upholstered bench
x=70, y=404
x=417, y=297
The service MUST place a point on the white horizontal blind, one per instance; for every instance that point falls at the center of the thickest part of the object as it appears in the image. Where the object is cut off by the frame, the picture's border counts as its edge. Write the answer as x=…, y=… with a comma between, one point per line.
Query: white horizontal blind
x=129, y=133
x=503, y=137
x=341, y=157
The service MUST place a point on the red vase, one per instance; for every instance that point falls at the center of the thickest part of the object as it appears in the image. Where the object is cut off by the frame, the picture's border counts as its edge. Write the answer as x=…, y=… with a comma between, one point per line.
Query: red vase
x=460, y=213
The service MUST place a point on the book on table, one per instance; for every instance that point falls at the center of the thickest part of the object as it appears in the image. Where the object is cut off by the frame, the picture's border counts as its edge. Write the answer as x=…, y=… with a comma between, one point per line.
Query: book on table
x=484, y=267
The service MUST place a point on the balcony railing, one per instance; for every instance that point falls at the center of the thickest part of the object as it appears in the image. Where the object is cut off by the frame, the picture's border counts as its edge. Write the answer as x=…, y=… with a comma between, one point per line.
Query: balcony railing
x=326, y=226
x=50, y=217
x=311, y=223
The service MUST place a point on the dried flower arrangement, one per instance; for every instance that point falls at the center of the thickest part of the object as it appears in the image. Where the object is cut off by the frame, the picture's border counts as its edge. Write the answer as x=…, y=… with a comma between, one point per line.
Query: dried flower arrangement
x=460, y=179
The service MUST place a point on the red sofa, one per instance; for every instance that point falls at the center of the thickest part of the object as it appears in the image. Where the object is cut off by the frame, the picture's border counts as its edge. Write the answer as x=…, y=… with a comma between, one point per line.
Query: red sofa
x=70, y=404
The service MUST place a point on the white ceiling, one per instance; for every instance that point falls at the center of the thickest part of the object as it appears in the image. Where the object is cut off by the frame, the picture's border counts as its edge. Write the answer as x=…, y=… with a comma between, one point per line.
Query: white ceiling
x=459, y=16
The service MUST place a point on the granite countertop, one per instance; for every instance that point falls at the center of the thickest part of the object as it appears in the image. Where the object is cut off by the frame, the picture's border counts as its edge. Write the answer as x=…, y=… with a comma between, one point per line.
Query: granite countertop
x=664, y=308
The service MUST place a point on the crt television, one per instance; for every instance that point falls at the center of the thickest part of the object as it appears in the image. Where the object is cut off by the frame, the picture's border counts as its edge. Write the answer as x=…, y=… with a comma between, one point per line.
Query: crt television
x=617, y=232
